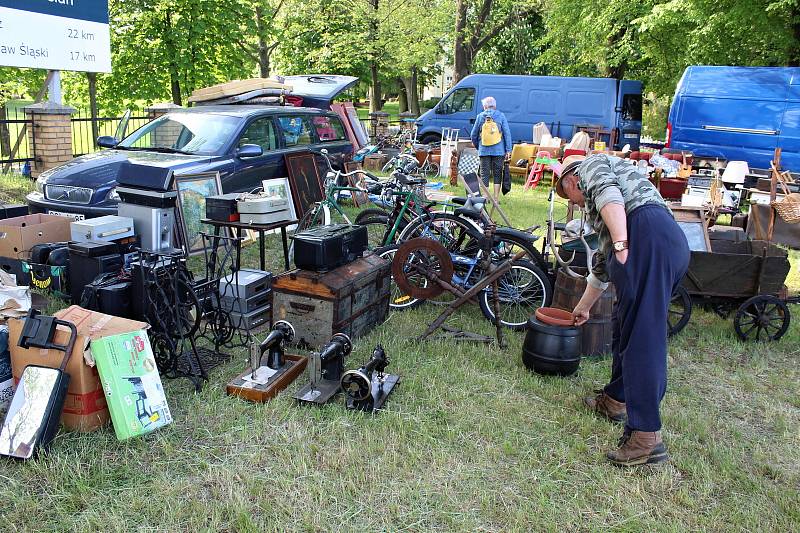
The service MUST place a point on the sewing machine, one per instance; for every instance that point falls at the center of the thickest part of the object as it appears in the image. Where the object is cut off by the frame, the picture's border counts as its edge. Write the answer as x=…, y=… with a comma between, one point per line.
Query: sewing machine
x=325, y=369
x=368, y=387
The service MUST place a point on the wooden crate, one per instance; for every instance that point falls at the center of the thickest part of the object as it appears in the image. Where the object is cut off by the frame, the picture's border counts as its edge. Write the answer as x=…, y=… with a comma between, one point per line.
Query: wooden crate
x=351, y=299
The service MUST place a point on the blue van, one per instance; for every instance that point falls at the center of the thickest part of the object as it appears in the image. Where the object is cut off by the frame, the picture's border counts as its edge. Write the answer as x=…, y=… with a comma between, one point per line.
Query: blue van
x=738, y=113
x=560, y=102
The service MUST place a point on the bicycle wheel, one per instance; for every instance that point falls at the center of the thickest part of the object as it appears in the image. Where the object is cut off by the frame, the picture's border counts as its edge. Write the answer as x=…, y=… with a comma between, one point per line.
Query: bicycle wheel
x=376, y=230
x=370, y=212
x=521, y=291
x=507, y=246
x=432, y=170
x=398, y=300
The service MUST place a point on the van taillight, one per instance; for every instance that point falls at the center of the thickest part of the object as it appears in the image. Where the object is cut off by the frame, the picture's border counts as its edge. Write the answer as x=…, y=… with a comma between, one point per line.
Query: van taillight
x=669, y=134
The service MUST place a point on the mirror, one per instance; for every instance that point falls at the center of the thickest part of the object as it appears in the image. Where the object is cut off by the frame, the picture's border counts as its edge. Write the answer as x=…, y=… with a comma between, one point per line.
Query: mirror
x=30, y=410
x=249, y=150
x=324, y=151
x=106, y=141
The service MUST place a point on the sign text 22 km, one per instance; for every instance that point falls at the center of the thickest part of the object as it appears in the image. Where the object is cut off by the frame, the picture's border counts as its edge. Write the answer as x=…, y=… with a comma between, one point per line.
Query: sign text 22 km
x=55, y=34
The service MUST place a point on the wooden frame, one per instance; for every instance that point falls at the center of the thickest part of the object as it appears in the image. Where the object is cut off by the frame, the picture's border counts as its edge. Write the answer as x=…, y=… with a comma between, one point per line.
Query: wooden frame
x=305, y=182
x=356, y=180
x=193, y=189
x=692, y=221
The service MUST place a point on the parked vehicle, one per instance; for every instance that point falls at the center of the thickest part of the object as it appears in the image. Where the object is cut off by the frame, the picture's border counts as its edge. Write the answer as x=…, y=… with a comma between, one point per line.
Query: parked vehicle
x=738, y=113
x=560, y=102
x=244, y=143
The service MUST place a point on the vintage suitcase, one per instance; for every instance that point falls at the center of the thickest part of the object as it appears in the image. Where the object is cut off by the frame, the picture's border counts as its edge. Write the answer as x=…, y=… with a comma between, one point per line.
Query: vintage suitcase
x=107, y=228
x=326, y=247
x=223, y=207
x=351, y=299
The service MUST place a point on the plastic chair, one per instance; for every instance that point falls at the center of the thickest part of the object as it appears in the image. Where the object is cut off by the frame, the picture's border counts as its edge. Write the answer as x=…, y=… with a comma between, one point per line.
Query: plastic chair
x=537, y=170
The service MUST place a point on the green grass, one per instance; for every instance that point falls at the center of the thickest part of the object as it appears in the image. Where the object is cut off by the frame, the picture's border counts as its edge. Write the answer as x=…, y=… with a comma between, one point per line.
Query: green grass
x=14, y=187
x=470, y=441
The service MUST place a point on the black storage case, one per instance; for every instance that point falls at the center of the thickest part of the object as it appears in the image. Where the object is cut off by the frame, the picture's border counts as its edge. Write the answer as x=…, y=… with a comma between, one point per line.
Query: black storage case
x=145, y=177
x=115, y=300
x=326, y=247
x=223, y=207
x=93, y=248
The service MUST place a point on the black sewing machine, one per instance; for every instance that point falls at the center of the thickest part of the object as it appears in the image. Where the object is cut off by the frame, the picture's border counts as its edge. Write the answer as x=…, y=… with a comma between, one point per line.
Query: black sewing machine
x=265, y=379
x=368, y=387
x=325, y=369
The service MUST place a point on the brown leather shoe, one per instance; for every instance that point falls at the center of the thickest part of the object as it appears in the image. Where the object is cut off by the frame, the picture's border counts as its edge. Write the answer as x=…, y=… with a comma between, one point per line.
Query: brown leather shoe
x=606, y=406
x=639, y=448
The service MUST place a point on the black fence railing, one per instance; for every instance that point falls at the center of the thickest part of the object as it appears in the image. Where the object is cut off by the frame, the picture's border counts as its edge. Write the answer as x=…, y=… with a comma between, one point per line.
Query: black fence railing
x=86, y=129
x=16, y=133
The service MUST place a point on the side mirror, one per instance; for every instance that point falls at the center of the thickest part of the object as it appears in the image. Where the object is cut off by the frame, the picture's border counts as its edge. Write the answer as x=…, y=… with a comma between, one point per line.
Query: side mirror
x=107, y=141
x=324, y=151
x=249, y=150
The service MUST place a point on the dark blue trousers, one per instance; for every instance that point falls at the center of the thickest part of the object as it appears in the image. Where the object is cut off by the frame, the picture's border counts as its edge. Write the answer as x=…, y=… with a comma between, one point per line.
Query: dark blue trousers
x=658, y=257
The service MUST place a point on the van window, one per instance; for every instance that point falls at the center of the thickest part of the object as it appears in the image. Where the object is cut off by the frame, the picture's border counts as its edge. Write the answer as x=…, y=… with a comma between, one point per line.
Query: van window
x=260, y=132
x=328, y=129
x=632, y=107
x=459, y=100
x=296, y=130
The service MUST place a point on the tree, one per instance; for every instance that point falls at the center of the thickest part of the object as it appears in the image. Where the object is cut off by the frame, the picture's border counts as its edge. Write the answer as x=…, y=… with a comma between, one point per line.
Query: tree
x=477, y=23
x=514, y=51
x=265, y=31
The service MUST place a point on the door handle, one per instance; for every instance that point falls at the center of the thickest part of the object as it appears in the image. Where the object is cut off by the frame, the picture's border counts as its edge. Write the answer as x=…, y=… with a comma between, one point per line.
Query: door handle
x=472, y=121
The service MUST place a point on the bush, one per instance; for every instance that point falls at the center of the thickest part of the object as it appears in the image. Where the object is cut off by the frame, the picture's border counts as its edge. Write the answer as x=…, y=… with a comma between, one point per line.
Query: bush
x=430, y=103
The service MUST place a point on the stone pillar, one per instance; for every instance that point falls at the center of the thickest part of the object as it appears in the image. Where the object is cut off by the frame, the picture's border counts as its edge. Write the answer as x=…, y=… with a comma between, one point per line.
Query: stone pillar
x=165, y=137
x=379, y=123
x=50, y=135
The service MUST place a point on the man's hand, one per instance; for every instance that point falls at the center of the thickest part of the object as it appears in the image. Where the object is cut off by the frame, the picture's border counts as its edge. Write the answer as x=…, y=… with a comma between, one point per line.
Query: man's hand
x=580, y=314
x=621, y=257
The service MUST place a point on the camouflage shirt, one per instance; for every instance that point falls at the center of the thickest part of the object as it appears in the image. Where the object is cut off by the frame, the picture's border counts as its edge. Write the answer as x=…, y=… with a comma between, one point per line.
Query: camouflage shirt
x=604, y=180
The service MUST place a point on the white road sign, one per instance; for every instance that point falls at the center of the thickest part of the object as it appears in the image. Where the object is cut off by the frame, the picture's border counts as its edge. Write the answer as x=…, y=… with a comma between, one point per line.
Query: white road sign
x=55, y=34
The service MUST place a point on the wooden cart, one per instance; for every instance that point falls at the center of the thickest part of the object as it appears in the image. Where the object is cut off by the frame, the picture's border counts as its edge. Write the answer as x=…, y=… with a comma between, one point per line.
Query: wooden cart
x=747, y=277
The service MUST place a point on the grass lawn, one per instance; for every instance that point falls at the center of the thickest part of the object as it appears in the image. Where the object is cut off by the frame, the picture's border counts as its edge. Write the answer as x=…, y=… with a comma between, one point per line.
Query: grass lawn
x=470, y=441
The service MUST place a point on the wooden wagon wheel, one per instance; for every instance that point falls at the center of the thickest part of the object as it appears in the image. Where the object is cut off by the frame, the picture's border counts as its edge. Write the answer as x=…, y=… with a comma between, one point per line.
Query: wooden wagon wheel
x=679, y=312
x=417, y=262
x=762, y=318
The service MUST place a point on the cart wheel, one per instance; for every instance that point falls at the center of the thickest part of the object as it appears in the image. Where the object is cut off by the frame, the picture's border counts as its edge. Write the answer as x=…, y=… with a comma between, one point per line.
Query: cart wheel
x=679, y=312
x=762, y=317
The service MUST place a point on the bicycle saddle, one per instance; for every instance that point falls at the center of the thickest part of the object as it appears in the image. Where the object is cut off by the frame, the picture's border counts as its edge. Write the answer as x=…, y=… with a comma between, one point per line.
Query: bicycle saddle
x=473, y=208
x=405, y=180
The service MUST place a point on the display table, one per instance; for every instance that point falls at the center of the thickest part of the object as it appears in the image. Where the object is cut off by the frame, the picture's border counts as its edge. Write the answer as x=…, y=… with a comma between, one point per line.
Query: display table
x=239, y=227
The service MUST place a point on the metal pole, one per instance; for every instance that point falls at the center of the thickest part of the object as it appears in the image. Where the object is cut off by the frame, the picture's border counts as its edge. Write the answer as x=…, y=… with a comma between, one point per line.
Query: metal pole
x=54, y=87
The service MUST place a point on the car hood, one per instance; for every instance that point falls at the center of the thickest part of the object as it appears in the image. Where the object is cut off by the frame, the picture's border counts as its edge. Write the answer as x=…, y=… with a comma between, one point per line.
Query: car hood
x=102, y=168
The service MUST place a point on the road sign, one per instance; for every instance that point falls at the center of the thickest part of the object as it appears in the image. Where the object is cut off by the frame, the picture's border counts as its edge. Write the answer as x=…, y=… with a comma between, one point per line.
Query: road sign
x=55, y=34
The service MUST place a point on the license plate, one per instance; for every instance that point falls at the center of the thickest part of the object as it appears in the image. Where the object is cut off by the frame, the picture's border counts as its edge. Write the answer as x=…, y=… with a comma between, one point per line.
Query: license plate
x=631, y=135
x=73, y=216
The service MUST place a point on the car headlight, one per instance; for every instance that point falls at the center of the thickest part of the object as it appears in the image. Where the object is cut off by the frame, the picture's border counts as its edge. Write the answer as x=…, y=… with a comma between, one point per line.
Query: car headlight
x=41, y=181
x=112, y=195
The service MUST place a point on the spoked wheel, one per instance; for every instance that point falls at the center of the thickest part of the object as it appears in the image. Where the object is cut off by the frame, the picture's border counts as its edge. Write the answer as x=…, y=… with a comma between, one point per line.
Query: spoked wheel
x=521, y=291
x=432, y=170
x=417, y=263
x=762, y=318
x=453, y=232
x=222, y=326
x=680, y=310
x=164, y=352
x=400, y=300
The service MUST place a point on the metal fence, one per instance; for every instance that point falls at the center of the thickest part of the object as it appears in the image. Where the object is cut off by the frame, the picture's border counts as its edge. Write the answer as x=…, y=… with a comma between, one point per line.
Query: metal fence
x=85, y=129
x=16, y=148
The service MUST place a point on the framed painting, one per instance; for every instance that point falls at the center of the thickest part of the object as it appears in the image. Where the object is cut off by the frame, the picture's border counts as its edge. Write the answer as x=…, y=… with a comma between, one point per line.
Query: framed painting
x=305, y=182
x=280, y=187
x=193, y=189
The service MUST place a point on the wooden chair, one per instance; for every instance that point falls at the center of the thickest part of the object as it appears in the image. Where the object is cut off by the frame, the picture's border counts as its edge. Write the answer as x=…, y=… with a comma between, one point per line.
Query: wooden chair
x=520, y=152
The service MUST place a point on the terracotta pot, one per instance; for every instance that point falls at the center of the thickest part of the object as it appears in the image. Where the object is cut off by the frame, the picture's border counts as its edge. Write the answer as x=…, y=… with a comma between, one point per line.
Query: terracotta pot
x=553, y=316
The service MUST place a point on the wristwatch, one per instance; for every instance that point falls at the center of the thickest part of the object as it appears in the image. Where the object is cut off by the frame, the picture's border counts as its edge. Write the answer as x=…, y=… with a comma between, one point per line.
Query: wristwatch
x=620, y=245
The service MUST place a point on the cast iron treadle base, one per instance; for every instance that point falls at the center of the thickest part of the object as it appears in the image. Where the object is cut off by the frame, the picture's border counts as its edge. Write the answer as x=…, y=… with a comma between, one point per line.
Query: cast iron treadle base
x=196, y=368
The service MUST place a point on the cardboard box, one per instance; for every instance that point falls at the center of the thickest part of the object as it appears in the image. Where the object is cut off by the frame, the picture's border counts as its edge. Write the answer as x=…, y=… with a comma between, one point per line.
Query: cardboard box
x=131, y=383
x=85, y=408
x=19, y=234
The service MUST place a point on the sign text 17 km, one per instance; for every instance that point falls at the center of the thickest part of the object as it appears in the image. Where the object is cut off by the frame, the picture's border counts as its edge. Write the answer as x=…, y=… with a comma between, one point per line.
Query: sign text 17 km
x=55, y=34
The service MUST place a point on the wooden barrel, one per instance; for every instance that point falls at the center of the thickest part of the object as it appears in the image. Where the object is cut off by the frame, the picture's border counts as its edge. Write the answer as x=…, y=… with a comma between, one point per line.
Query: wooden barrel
x=596, y=333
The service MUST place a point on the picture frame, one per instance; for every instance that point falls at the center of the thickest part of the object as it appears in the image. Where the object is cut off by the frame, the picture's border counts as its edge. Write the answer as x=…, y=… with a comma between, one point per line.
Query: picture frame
x=692, y=221
x=304, y=179
x=193, y=189
x=281, y=187
x=356, y=180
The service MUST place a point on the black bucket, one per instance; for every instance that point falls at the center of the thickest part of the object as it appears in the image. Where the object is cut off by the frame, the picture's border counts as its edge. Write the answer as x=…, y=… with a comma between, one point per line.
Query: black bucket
x=551, y=349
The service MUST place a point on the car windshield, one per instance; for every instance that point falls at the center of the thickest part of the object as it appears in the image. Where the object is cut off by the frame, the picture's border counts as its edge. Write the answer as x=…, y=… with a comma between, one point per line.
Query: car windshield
x=190, y=133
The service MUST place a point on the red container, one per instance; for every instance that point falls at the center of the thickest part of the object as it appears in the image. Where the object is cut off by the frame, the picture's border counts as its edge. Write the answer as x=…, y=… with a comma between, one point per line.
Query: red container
x=672, y=188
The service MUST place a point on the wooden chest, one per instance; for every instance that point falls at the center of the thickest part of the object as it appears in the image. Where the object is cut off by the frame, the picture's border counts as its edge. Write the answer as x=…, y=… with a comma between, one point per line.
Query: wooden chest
x=351, y=299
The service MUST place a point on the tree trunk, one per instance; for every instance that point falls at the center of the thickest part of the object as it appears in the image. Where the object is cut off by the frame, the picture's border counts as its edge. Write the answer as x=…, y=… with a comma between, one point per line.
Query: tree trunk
x=174, y=80
x=263, y=47
x=461, y=64
x=92, y=77
x=402, y=95
x=375, y=101
x=794, y=47
x=5, y=134
x=413, y=92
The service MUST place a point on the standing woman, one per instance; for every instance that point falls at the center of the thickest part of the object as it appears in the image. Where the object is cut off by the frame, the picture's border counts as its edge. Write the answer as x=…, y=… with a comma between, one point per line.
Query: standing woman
x=492, y=137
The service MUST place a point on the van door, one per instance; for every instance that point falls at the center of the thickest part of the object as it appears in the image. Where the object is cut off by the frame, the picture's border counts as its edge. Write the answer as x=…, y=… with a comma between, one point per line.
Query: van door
x=629, y=114
x=789, y=138
x=456, y=110
x=249, y=172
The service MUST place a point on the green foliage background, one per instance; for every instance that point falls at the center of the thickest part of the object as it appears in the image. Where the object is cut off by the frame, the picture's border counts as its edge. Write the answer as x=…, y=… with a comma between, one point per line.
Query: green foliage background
x=164, y=49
